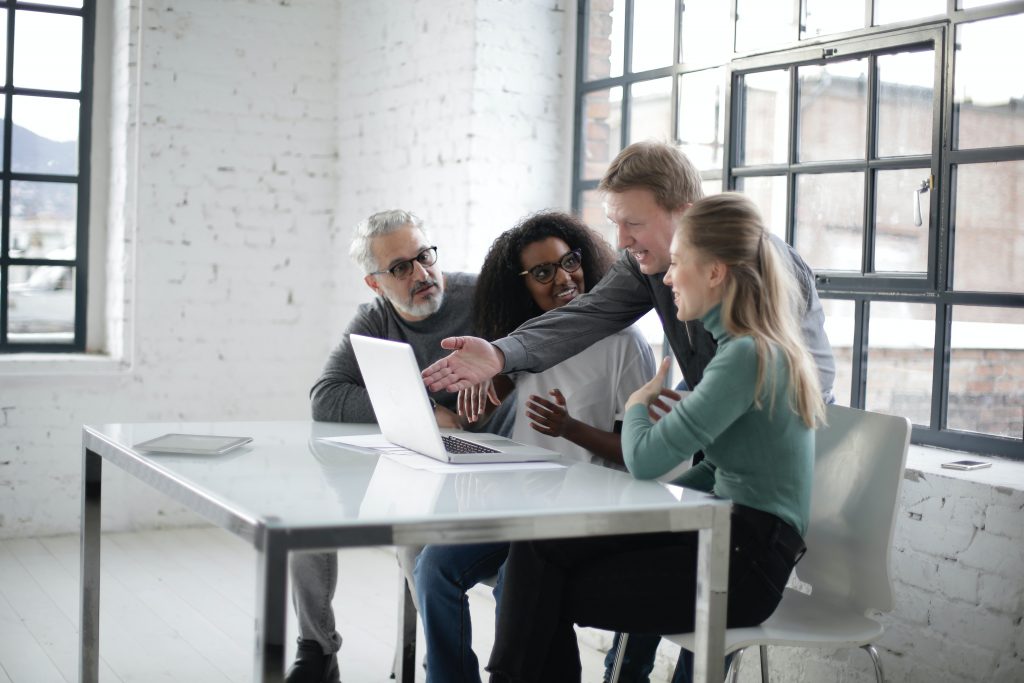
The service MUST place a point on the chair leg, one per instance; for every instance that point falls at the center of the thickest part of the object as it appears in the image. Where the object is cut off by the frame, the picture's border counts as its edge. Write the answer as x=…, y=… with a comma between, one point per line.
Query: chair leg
x=620, y=655
x=733, y=674
x=870, y=649
x=764, y=663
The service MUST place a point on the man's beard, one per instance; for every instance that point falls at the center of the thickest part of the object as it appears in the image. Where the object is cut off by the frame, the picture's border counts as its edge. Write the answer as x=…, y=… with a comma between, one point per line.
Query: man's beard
x=423, y=309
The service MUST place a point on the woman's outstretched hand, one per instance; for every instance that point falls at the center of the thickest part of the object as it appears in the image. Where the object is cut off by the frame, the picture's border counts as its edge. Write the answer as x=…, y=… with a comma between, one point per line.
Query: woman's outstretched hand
x=474, y=360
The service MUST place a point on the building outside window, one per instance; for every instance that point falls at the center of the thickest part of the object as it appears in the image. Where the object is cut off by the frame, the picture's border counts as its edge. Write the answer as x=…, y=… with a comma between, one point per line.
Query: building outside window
x=883, y=139
x=46, y=71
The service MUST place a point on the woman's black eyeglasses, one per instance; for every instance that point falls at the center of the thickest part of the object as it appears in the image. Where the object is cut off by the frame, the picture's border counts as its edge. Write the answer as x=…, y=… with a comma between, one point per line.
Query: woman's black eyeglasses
x=545, y=272
x=403, y=269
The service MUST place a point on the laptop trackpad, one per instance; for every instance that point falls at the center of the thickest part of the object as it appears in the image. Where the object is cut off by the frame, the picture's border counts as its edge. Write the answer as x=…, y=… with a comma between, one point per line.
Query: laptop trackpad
x=498, y=442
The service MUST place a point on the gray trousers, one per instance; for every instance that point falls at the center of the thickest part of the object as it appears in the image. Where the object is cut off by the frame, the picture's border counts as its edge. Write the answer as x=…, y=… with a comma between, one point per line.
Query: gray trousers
x=314, y=580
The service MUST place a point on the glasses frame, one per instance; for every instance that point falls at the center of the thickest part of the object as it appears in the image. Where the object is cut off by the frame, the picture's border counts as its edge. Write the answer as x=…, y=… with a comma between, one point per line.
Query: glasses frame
x=418, y=258
x=560, y=263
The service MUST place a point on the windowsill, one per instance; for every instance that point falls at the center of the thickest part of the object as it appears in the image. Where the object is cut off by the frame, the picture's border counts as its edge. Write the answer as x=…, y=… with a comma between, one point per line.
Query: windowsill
x=1006, y=474
x=50, y=364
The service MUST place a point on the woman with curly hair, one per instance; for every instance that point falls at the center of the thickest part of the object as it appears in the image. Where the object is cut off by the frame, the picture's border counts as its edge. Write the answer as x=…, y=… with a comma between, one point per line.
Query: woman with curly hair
x=543, y=263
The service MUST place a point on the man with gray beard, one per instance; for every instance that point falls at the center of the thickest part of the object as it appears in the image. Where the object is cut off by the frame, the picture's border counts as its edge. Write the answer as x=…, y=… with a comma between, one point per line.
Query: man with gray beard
x=417, y=304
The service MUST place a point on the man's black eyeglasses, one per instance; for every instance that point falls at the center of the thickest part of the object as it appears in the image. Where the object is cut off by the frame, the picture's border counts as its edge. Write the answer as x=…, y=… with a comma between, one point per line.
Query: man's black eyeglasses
x=403, y=269
x=545, y=272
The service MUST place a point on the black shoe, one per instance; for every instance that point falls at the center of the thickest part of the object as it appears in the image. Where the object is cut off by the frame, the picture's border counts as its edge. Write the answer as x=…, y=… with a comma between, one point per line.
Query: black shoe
x=312, y=665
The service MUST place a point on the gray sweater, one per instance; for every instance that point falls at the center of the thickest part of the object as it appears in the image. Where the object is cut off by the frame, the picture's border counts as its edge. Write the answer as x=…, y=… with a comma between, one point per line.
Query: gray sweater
x=339, y=395
x=624, y=296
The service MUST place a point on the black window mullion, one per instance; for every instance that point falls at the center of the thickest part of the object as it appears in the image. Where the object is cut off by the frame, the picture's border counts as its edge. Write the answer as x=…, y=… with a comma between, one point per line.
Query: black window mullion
x=870, y=177
x=627, y=66
x=5, y=228
x=579, y=127
x=792, y=154
x=859, y=353
x=940, y=370
x=84, y=174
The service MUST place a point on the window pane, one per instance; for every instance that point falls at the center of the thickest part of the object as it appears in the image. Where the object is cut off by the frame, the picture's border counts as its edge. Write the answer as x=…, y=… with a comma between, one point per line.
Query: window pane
x=902, y=217
x=60, y=3
x=3, y=115
x=653, y=34
x=45, y=135
x=839, y=326
x=986, y=371
x=905, y=95
x=765, y=132
x=41, y=307
x=602, y=130
x=47, y=51
x=43, y=219
x=989, y=227
x=702, y=117
x=901, y=339
x=889, y=11
x=3, y=47
x=830, y=220
x=650, y=113
x=769, y=193
x=831, y=97
x=970, y=4
x=988, y=110
x=606, y=26
x=705, y=31
x=710, y=187
x=765, y=23
x=828, y=16
x=592, y=213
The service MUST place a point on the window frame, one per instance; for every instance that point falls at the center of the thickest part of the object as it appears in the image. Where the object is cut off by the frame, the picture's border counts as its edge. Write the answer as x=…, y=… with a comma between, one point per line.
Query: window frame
x=81, y=179
x=935, y=287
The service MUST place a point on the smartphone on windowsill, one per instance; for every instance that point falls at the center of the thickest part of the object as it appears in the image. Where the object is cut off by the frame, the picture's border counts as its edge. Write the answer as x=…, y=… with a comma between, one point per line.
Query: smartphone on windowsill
x=966, y=465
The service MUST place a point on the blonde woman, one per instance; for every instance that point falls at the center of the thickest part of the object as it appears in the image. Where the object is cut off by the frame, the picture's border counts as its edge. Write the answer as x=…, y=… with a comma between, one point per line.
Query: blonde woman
x=753, y=414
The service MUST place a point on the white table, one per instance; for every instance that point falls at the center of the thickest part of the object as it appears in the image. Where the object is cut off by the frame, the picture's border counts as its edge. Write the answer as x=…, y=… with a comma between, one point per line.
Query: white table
x=287, y=491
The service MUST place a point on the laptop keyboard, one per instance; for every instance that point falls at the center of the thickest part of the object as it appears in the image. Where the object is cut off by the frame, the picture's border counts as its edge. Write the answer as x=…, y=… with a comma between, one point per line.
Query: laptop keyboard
x=454, y=444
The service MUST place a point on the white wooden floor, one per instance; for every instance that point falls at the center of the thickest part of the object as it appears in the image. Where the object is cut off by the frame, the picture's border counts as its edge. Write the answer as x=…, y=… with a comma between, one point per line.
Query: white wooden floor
x=177, y=606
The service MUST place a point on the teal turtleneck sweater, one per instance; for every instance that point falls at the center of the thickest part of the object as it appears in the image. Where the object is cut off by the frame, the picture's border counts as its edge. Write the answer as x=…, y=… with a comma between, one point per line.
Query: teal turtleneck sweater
x=759, y=457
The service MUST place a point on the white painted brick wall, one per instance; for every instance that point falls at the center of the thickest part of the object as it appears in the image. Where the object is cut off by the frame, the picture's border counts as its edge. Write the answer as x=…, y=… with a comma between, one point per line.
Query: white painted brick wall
x=221, y=271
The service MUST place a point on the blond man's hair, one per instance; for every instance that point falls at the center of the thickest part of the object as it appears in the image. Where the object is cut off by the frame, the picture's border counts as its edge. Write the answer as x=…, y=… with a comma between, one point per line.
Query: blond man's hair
x=656, y=166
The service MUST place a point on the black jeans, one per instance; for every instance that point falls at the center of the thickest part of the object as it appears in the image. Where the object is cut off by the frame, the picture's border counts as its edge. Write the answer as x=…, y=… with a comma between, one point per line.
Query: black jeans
x=640, y=583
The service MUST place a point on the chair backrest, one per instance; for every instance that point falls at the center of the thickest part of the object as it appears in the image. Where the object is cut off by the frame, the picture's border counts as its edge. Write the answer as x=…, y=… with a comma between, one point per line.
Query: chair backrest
x=858, y=470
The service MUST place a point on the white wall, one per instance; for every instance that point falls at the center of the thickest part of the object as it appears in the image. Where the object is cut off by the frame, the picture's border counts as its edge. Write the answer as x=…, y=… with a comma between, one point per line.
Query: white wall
x=457, y=110
x=247, y=137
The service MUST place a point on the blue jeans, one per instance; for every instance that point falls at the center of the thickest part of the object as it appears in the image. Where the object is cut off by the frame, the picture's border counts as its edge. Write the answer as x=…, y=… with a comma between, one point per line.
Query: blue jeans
x=443, y=575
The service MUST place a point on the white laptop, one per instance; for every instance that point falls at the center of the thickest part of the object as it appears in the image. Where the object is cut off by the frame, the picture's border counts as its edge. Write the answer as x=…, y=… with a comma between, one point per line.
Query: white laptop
x=406, y=418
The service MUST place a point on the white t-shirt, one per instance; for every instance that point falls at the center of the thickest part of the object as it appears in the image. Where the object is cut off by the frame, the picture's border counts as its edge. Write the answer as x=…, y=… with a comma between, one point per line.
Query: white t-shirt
x=596, y=383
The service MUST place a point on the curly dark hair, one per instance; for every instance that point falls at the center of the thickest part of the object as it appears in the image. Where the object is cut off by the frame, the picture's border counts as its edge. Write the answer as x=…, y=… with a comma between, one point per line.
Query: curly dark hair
x=502, y=302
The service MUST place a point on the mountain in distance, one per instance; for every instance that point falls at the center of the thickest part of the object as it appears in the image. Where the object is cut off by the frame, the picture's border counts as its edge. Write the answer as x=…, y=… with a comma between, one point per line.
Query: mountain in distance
x=32, y=153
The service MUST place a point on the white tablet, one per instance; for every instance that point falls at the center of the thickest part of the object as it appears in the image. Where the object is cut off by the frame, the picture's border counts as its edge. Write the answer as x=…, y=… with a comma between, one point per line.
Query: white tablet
x=194, y=444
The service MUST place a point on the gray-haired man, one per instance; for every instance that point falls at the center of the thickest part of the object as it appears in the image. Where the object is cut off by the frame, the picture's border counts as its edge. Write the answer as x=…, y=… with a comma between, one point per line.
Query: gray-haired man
x=418, y=304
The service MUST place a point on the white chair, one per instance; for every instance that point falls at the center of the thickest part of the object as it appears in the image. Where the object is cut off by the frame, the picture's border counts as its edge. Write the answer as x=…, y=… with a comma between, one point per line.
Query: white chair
x=858, y=470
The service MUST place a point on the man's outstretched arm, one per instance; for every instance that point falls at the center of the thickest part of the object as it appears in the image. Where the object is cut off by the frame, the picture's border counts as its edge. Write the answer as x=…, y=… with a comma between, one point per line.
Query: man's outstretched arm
x=473, y=361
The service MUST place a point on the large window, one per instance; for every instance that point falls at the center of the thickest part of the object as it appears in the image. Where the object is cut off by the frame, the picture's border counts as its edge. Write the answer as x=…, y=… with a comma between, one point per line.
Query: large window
x=884, y=140
x=46, y=71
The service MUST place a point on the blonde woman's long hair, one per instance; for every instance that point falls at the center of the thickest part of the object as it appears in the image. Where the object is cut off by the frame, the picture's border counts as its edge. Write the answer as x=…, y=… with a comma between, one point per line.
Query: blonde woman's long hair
x=761, y=297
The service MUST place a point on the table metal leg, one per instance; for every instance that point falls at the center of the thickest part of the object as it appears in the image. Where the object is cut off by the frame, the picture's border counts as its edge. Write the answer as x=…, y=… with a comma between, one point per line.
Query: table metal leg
x=271, y=584
x=405, y=659
x=712, y=592
x=89, y=597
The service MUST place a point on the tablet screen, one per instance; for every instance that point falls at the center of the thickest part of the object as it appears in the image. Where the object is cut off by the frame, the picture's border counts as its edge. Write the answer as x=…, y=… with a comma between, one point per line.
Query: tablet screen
x=198, y=444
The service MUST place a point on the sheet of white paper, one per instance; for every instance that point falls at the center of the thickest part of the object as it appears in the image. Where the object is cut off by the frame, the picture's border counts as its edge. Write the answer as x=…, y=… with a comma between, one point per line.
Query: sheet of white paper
x=378, y=444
